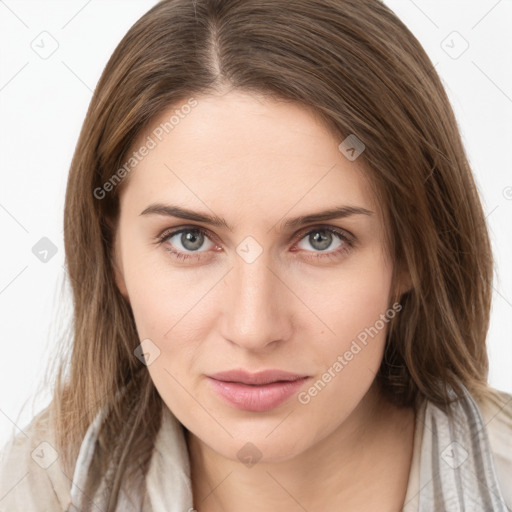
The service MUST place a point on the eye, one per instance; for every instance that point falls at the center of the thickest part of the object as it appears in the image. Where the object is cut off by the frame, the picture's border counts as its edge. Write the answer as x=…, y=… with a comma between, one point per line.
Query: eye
x=321, y=239
x=190, y=240
x=186, y=243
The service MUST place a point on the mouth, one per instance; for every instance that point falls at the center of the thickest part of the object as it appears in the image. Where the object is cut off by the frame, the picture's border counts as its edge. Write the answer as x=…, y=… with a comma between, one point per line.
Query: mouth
x=260, y=385
x=256, y=379
x=258, y=392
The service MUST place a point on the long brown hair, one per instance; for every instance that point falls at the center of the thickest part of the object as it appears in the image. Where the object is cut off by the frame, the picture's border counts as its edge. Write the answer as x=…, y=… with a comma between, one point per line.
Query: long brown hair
x=357, y=66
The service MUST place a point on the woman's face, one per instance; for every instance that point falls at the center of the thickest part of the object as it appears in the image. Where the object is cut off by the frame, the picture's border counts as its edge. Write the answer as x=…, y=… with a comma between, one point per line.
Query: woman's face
x=260, y=288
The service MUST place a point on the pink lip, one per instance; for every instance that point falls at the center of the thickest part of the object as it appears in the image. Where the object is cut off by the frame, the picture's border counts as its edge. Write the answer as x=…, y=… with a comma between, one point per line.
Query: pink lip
x=256, y=392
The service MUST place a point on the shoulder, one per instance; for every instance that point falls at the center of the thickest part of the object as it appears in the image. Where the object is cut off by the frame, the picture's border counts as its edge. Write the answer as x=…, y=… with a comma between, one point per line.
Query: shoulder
x=31, y=478
x=496, y=411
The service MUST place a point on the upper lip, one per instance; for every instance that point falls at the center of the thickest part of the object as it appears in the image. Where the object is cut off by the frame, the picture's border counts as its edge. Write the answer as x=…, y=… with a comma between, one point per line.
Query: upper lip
x=262, y=377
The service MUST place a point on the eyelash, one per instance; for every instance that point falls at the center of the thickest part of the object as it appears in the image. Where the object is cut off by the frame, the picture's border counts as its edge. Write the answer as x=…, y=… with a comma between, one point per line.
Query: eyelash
x=348, y=244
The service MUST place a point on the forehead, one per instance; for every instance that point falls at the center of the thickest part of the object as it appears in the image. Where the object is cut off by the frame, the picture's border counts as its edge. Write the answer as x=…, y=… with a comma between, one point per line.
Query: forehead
x=244, y=152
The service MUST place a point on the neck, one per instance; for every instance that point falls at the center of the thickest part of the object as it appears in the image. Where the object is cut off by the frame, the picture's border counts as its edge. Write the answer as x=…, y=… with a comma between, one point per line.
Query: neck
x=363, y=465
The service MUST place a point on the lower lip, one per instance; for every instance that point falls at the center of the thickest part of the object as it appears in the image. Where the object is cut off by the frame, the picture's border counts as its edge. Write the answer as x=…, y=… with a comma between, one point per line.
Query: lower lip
x=256, y=398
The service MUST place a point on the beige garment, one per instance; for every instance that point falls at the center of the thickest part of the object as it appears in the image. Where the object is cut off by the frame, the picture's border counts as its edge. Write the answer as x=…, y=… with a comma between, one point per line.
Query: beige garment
x=31, y=479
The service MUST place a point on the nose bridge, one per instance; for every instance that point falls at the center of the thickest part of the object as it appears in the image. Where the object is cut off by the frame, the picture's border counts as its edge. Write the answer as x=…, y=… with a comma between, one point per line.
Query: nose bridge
x=254, y=310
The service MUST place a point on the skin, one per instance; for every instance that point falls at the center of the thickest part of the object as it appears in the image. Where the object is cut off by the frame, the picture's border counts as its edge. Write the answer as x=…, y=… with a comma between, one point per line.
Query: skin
x=256, y=162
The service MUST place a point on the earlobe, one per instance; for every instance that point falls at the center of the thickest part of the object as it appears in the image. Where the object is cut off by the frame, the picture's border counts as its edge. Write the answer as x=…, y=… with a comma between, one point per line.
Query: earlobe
x=406, y=285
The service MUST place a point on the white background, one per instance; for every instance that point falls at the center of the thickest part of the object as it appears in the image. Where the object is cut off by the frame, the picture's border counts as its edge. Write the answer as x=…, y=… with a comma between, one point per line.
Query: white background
x=42, y=106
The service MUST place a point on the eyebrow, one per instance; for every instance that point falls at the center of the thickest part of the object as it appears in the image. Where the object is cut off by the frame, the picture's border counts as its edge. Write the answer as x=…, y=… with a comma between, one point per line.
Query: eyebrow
x=184, y=213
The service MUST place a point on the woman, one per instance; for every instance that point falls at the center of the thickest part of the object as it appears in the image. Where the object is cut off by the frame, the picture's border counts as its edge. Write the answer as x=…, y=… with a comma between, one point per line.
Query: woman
x=281, y=275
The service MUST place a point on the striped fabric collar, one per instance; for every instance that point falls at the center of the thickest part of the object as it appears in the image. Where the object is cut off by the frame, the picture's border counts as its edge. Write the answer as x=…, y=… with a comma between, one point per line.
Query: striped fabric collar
x=457, y=471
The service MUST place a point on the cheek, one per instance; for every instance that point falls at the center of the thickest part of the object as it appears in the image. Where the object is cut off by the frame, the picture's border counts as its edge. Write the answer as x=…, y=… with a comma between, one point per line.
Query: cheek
x=171, y=309
x=357, y=311
x=364, y=301
x=348, y=364
x=352, y=299
x=160, y=294
x=150, y=307
x=168, y=319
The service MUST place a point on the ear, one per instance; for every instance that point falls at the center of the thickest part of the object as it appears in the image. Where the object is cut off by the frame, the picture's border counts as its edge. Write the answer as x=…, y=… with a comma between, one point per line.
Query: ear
x=119, y=279
x=404, y=283
x=116, y=260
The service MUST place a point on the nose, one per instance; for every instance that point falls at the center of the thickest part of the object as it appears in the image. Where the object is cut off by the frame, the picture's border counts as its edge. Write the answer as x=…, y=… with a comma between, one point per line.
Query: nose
x=256, y=305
